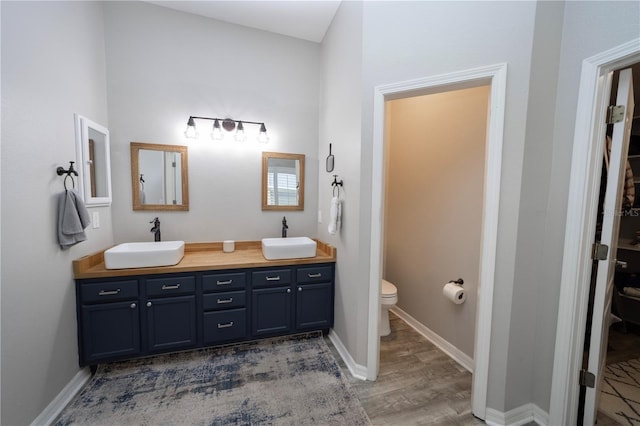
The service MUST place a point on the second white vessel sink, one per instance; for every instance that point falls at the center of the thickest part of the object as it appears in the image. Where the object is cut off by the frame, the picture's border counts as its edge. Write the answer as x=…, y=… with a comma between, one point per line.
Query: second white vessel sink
x=144, y=255
x=288, y=248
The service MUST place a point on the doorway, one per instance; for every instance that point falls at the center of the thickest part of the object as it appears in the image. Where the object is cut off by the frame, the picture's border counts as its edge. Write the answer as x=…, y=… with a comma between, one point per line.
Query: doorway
x=495, y=77
x=434, y=180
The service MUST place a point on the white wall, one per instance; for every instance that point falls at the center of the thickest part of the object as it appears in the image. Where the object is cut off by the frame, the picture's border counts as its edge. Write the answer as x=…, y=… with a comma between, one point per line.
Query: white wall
x=430, y=38
x=52, y=66
x=340, y=124
x=433, y=207
x=588, y=28
x=164, y=66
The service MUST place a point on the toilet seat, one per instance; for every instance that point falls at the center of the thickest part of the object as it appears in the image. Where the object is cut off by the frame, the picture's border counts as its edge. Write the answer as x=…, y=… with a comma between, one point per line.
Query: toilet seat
x=388, y=289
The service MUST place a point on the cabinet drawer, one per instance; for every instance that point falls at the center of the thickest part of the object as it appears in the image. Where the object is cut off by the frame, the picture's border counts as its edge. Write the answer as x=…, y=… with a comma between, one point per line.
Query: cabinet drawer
x=220, y=326
x=171, y=286
x=227, y=300
x=223, y=282
x=109, y=291
x=273, y=277
x=314, y=274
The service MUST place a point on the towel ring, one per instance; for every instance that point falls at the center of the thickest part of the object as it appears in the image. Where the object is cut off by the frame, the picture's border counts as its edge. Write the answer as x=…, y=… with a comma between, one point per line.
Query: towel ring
x=73, y=182
x=335, y=185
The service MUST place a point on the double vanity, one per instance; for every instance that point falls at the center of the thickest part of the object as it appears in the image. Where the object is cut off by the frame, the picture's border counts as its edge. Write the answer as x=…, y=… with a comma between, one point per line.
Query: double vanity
x=210, y=297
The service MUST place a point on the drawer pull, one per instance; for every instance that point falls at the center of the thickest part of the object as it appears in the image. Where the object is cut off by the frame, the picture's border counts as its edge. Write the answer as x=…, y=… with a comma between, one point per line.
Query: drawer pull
x=224, y=282
x=109, y=292
x=227, y=325
x=276, y=278
x=229, y=300
x=318, y=275
x=170, y=287
x=132, y=306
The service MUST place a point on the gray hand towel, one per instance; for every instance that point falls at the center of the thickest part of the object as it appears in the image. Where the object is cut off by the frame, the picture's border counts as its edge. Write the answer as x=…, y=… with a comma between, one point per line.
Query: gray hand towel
x=73, y=218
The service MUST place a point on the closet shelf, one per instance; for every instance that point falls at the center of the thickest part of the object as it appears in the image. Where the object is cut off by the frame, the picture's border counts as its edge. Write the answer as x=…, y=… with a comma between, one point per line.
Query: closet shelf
x=625, y=244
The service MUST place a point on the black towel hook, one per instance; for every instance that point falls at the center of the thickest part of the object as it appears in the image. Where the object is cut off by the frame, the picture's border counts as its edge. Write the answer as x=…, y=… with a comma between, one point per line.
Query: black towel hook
x=335, y=184
x=69, y=174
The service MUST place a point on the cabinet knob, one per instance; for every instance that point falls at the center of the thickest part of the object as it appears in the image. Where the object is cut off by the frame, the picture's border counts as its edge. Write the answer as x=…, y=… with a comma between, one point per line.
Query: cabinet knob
x=132, y=306
x=148, y=304
x=288, y=290
x=299, y=288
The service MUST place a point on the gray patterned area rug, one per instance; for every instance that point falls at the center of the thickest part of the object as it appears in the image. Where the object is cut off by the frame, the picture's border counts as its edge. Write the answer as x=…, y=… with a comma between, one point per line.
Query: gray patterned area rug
x=620, y=395
x=292, y=381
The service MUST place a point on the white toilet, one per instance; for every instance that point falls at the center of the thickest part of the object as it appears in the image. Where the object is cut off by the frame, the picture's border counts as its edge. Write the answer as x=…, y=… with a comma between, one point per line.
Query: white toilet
x=388, y=299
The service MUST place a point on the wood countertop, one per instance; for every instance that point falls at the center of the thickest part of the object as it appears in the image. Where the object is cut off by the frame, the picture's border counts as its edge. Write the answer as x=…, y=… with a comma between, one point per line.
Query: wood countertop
x=201, y=257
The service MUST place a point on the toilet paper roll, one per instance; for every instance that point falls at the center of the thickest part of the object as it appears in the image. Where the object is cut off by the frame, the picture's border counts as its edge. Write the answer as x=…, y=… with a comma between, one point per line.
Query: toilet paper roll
x=454, y=293
x=228, y=246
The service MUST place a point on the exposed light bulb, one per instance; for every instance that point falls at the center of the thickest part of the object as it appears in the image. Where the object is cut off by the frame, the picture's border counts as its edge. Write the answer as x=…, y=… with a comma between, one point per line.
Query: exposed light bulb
x=240, y=132
x=262, y=136
x=216, y=134
x=191, y=132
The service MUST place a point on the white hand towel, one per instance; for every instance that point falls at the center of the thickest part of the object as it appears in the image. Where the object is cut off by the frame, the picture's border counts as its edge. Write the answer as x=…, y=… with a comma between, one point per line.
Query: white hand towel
x=73, y=218
x=335, y=219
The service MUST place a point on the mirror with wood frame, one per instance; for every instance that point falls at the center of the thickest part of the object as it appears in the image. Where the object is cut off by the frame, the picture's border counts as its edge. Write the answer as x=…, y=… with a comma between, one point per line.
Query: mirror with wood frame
x=159, y=177
x=282, y=181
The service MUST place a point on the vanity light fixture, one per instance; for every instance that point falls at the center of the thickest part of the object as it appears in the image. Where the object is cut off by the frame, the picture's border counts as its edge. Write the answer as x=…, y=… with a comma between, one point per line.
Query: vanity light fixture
x=227, y=124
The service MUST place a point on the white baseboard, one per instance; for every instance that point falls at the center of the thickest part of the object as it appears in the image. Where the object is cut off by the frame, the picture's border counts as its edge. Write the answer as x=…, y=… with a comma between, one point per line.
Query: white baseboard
x=518, y=416
x=65, y=396
x=358, y=371
x=456, y=354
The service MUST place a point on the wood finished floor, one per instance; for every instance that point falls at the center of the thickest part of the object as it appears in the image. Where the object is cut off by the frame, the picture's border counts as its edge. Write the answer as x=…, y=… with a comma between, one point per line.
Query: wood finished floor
x=418, y=384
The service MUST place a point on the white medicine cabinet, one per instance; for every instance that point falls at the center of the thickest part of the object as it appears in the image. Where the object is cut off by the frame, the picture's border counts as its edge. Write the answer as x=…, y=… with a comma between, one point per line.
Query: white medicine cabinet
x=94, y=162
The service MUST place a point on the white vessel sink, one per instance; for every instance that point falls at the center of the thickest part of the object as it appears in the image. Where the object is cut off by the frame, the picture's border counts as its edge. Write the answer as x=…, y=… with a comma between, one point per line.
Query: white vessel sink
x=144, y=255
x=288, y=248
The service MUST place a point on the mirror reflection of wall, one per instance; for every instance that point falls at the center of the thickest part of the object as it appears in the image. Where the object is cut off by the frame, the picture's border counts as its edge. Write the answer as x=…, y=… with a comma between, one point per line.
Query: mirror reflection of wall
x=160, y=182
x=98, y=163
x=159, y=177
x=282, y=181
x=93, y=157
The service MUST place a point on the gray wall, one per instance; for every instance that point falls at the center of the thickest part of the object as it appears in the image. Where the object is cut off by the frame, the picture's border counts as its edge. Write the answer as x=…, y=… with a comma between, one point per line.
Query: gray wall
x=52, y=66
x=340, y=124
x=414, y=45
x=162, y=67
x=433, y=207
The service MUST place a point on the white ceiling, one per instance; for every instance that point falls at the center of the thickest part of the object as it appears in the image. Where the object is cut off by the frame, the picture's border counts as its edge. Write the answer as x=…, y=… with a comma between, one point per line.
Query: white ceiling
x=305, y=19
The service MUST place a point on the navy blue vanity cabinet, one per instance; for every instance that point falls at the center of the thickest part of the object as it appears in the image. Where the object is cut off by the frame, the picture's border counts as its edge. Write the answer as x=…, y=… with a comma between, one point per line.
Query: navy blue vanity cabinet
x=224, y=307
x=108, y=321
x=128, y=317
x=314, y=297
x=292, y=299
x=170, y=309
x=272, y=302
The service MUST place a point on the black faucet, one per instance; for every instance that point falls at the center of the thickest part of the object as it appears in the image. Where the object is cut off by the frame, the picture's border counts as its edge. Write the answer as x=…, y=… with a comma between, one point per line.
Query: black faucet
x=156, y=229
x=284, y=227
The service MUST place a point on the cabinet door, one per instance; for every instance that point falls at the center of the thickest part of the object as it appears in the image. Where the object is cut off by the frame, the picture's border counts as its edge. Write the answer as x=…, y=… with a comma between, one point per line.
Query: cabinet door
x=110, y=330
x=271, y=310
x=314, y=306
x=171, y=323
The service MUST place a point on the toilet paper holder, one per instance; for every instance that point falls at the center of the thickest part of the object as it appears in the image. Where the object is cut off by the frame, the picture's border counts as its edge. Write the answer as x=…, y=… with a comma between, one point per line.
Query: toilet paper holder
x=459, y=281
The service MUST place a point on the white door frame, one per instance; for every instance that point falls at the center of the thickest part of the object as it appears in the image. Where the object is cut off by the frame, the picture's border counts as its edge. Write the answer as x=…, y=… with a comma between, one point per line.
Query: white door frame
x=496, y=77
x=586, y=166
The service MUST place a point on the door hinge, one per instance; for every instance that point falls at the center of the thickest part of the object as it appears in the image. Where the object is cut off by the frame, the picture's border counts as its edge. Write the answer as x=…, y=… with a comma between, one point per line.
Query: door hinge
x=587, y=379
x=599, y=251
x=173, y=164
x=615, y=114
